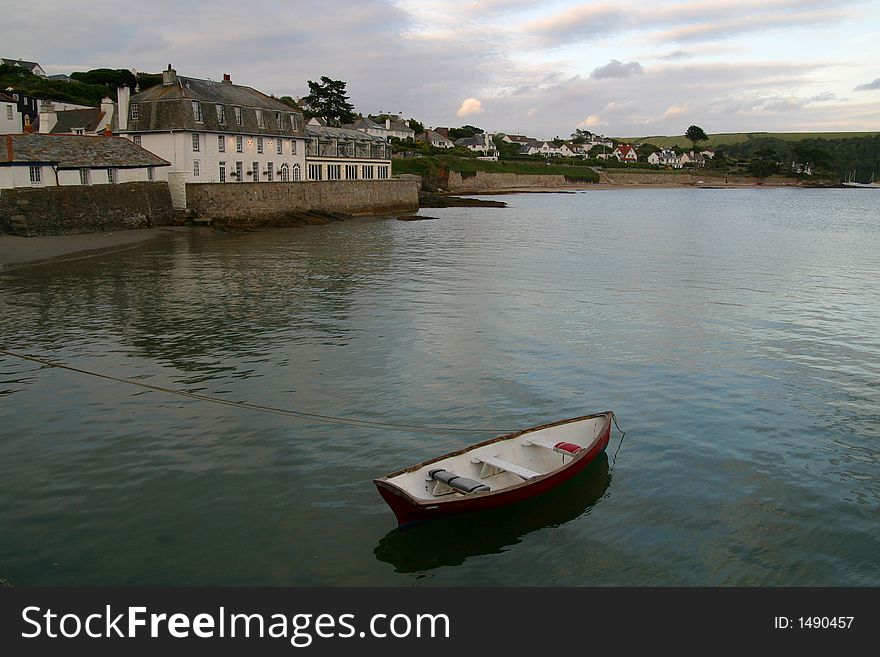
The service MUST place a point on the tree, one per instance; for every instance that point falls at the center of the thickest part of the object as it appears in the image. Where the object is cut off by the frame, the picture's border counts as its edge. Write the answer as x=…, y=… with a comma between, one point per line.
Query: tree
x=464, y=131
x=109, y=77
x=416, y=126
x=695, y=135
x=764, y=162
x=581, y=136
x=328, y=101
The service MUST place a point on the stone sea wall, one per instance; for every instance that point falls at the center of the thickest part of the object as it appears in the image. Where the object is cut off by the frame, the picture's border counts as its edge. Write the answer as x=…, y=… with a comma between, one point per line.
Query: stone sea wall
x=277, y=202
x=487, y=181
x=75, y=209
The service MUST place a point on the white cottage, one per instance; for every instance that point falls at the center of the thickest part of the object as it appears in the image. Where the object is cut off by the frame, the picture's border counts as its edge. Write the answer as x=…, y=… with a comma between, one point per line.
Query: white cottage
x=346, y=154
x=39, y=160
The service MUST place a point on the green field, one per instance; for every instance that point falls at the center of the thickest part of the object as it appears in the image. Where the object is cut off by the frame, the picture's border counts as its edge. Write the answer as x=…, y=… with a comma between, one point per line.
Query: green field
x=740, y=137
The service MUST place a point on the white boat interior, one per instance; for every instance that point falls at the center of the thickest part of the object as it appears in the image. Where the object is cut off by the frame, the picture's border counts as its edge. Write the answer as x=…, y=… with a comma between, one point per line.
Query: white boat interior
x=503, y=463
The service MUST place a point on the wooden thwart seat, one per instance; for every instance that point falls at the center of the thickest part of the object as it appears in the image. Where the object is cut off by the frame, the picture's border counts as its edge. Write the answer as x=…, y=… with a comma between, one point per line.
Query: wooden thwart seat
x=492, y=465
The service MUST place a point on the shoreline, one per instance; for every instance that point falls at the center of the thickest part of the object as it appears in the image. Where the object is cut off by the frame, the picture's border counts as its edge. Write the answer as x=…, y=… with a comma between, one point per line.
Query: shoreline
x=17, y=251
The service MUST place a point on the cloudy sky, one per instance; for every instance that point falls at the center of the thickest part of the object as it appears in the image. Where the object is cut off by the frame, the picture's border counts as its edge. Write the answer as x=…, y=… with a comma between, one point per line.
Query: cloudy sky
x=521, y=66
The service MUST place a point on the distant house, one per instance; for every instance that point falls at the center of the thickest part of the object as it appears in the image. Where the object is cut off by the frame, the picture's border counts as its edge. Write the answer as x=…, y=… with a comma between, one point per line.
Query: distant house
x=692, y=159
x=91, y=121
x=625, y=153
x=481, y=143
x=10, y=117
x=519, y=139
x=435, y=139
x=214, y=132
x=30, y=67
x=666, y=158
x=390, y=126
x=40, y=160
x=346, y=154
x=60, y=77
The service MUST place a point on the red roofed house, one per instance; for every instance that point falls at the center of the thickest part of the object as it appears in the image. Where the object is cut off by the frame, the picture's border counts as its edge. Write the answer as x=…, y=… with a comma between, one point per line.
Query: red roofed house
x=625, y=153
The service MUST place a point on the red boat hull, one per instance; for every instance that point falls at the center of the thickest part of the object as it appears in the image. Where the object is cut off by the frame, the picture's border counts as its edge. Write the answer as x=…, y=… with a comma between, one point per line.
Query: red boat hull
x=410, y=510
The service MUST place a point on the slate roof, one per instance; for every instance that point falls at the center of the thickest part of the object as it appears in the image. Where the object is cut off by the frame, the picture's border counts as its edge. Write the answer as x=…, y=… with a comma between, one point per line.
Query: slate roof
x=86, y=119
x=169, y=107
x=30, y=66
x=75, y=152
x=342, y=134
x=6, y=99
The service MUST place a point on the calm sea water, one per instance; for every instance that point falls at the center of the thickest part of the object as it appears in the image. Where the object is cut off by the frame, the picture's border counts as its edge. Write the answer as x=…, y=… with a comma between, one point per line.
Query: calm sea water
x=736, y=333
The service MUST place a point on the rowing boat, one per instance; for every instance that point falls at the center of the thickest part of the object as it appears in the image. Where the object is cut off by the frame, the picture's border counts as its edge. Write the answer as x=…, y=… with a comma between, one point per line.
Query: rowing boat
x=497, y=472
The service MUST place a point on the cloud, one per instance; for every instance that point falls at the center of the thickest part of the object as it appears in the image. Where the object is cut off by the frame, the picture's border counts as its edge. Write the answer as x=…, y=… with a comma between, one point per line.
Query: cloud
x=677, y=54
x=591, y=121
x=532, y=112
x=470, y=106
x=617, y=69
x=869, y=86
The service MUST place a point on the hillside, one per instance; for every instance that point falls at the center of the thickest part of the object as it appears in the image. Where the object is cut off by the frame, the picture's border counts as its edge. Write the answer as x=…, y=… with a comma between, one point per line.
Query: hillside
x=729, y=138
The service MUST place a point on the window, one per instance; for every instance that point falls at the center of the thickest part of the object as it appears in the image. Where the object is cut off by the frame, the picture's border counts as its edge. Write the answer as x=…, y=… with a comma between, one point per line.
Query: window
x=79, y=131
x=314, y=172
x=134, y=111
x=293, y=146
x=297, y=172
x=36, y=176
x=195, y=143
x=259, y=144
x=197, y=111
x=221, y=144
x=334, y=171
x=284, y=173
x=260, y=122
x=367, y=172
x=269, y=171
x=137, y=140
x=383, y=172
x=239, y=171
x=294, y=122
x=255, y=171
x=221, y=114
x=351, y=171
x=223, y=172
x=112, y=178
x=150, y=175
x=279, y=146
x=196, y=168
x=9, y=112
x=85, y=177
x=239, y=144
x=237, y=112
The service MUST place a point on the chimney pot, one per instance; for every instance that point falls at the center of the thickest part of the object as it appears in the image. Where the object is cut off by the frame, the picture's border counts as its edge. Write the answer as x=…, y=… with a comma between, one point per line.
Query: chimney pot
x=227, y=78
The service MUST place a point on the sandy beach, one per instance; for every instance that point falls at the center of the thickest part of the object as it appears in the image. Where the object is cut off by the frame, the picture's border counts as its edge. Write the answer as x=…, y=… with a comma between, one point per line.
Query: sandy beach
x=16, y=250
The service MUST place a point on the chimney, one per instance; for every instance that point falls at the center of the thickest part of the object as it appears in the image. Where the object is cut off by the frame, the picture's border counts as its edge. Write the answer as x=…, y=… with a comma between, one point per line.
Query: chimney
x=107, y=107
x=123, y=96
x=28, y=128
x=107, y=131
x=169, y=76
x=48, y=117
x=227, y=78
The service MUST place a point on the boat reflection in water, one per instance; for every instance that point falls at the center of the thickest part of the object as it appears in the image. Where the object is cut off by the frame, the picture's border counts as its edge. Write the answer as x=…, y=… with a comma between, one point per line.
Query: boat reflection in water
x=451, y=541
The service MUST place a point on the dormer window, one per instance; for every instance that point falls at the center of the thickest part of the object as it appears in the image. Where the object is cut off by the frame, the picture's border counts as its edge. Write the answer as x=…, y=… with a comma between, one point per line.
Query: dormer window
x=260, y=122
x=221, y=114
x=197, y=111
x=237, y=111
x=134, y=111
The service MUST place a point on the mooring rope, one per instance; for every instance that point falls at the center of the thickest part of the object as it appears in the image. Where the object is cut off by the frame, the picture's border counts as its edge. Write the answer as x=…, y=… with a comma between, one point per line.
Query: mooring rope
x=316, y=417
x=622, y=434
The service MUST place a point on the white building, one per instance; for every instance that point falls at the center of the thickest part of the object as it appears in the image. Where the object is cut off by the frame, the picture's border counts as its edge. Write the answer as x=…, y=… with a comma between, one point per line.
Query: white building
x=38, y=160
x=481, y=143
x=666, y=158
x=387, y=128
x=10, y=117
x=435, y=139
x=30, y=67
x=214, y=132
x=89, y=121
x=346, y=154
